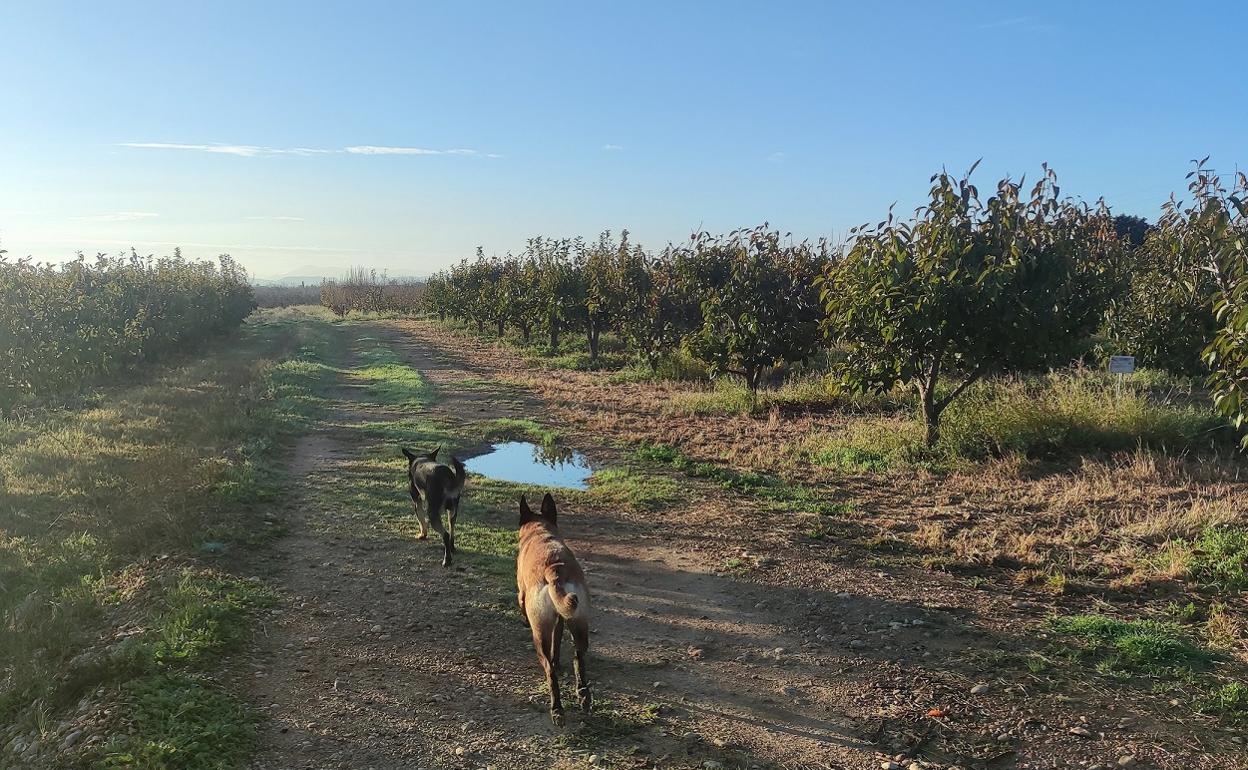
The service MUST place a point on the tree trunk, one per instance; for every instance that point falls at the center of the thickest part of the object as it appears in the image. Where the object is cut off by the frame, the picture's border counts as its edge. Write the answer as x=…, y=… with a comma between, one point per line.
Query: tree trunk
x=525, y=329
x=593, y=341
x=931, y=413
x=480, y=326
x=502, y=328
x=554, y=336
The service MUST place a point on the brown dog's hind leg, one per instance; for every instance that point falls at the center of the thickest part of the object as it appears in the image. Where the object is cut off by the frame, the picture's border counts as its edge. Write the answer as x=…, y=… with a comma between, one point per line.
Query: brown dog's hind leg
x=580, y=638
x=547, y=640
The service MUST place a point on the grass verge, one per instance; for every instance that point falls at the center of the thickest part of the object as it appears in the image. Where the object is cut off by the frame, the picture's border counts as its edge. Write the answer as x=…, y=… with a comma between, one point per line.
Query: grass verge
x=106, y=610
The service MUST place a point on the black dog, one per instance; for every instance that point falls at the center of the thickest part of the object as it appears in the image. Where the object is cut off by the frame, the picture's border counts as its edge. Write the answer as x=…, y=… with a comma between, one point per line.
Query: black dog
x=442, y=484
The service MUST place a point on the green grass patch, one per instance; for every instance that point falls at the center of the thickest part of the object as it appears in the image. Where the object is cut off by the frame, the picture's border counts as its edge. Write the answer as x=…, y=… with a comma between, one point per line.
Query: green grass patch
x=1218, y=558
x=206, y=615
x=1123, y=648
x=1072, y=412
x=1229, y=700
x=639, y=491
x=181, y=722
x=675, y=366
x=612, y=720
x=512, y=429
x=813, y=392
x=772, y=490
x=387, y=378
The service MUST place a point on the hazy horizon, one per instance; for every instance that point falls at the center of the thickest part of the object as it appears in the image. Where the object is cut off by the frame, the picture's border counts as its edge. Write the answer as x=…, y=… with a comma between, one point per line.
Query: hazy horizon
x=309, y=139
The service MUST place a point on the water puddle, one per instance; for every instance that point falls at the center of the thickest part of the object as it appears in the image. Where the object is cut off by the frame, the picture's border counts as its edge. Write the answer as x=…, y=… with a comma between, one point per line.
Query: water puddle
x=526, y=463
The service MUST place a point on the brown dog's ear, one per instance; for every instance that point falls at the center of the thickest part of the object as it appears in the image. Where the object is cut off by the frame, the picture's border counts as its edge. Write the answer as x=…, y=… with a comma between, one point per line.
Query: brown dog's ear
x=409, y=454
x=548, y=508
x=526, y=513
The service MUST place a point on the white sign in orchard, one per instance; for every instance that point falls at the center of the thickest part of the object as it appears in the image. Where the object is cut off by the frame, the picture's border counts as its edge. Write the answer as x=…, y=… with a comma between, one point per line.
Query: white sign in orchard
x=1121, y=364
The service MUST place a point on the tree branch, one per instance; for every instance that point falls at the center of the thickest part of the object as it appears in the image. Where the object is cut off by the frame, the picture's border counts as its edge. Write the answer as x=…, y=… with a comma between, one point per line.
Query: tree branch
x=970, y=380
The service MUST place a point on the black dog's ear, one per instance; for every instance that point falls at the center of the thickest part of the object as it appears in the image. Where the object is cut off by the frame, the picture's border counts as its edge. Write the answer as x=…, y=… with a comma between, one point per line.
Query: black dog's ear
x=434, y=454
x=548, y=508
x=526, y=513
x=409, y=454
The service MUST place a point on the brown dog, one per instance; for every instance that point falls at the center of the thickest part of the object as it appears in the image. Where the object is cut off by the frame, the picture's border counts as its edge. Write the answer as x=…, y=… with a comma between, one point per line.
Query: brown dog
x=552, y=593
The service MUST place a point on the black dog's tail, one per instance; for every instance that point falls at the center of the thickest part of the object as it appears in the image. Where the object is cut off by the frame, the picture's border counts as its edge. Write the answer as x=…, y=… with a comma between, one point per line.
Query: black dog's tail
x=461, y=473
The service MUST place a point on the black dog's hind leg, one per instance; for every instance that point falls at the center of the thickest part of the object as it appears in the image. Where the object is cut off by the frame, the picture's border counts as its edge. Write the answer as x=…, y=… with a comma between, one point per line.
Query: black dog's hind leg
x=452, y=513
x=424, y=528
x=434, y=507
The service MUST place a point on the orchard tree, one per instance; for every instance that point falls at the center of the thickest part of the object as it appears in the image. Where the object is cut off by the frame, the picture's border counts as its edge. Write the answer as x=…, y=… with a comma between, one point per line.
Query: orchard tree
x=653, y=303
x=604, y=291
x=759, y=302
x=1216, y=225
x=1165, y=317
x=561, y=291
x=439, y=293
x=969, y=288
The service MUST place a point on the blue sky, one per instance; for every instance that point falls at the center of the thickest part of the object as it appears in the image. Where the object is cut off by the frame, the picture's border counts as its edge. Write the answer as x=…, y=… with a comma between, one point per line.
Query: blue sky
x=307, y=137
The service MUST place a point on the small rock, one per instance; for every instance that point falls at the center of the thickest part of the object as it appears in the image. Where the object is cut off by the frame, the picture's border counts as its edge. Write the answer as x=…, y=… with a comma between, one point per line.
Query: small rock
x=1082, y=732
x=459, y=751
x=713, y=764
x=889, y=765
x=658, y=685
x=377, y=629
x=980, y=688
x=691, y=737
x=1127, y=760
x=71, y=739
x=594, y=759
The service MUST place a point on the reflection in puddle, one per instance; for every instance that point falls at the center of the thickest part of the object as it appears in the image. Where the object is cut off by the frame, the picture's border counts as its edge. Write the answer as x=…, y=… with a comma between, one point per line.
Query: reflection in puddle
x=526, y=463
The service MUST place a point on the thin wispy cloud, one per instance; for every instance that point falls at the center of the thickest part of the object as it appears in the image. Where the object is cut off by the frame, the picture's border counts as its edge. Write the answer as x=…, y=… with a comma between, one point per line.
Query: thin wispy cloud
x=256, y=151
x=226, y=247
x=370, y=149
x=117, y=216
x=778, y=157
x=276, y=219
x=613, y=147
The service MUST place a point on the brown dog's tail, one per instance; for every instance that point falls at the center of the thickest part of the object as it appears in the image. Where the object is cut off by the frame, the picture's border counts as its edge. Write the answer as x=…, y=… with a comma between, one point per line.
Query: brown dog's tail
x=566, y=603
x=461, y=474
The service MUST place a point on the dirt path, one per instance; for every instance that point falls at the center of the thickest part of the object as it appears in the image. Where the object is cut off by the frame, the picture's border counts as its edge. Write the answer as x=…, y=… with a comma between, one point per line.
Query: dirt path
x=804, y=658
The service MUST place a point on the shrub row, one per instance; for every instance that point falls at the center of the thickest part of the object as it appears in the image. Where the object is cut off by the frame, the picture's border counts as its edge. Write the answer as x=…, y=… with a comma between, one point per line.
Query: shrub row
x=62, y=327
